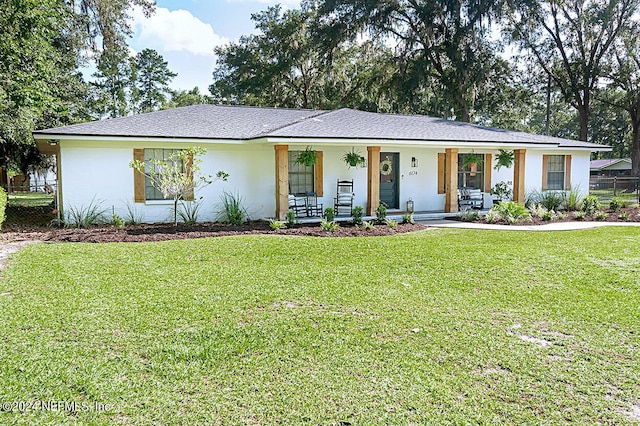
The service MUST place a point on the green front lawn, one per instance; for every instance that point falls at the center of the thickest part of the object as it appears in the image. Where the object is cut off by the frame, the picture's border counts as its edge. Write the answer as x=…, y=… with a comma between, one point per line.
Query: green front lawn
x=607, y=194
x=440, y=327
x=30, y=199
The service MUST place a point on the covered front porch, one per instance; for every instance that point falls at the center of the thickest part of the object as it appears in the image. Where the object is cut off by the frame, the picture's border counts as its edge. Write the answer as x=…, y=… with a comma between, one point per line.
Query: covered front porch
x=437, y=171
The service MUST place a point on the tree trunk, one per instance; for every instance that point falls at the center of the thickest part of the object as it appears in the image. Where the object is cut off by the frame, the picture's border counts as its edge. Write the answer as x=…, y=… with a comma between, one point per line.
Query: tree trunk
x=635, y=146
x=583, y=112
x=175, y=212
x=463, y=113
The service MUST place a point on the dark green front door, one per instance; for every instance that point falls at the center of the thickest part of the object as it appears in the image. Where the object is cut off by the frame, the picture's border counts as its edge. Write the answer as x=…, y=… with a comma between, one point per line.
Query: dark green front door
x=389, y=179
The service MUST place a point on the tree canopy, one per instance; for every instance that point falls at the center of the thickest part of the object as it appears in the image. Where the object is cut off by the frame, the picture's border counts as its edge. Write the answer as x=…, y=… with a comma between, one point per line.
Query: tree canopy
x=42, y=45
x=563, y=67
x=566, y=67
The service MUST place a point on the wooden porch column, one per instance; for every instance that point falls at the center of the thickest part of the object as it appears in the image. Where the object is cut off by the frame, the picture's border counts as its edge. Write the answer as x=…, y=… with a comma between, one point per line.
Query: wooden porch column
x=451, y=180
x=282, y=181
x=60, y=204
x=518, y=175
x=373, y=179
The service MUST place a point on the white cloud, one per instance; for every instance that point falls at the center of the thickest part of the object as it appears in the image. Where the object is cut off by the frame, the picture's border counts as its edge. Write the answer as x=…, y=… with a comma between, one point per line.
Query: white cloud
x=174, y=31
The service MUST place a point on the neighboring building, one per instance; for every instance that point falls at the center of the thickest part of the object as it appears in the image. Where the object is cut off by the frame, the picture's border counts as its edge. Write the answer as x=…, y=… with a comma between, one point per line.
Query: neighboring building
x=620, y=167
x=408, y=157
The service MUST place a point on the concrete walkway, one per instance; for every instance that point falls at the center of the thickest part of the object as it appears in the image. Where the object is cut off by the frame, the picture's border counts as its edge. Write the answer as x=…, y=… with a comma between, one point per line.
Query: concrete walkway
x=556, y=226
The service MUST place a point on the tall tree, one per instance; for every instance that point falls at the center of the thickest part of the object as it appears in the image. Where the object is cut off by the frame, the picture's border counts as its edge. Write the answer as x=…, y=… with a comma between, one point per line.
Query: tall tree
x=569, y=40
x=182, y=98
x=624, y=79
x=442, y=44
x=123, y=85
x=283, y=66
x=150, y=81
x=40, y=85
x=107, y=21
x=110, y=87
x=41, y=45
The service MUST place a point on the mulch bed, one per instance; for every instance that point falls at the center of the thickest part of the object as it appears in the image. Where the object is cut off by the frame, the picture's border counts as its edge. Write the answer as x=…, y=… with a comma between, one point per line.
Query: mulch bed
x=162, y=232
x=625, y=214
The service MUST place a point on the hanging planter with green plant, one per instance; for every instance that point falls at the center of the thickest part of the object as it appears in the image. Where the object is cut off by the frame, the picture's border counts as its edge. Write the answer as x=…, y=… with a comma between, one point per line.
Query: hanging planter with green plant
x=504, y=159
x=471, y=162
x=353, y=158
x=308, y=157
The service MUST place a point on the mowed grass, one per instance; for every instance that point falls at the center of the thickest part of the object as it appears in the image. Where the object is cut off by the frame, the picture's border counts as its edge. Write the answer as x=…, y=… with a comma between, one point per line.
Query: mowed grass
x=30, y=199
x=435, y=327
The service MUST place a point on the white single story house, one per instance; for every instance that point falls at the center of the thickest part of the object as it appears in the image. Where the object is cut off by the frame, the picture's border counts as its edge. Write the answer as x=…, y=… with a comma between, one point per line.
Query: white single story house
x=408, y=157
x=611, y=167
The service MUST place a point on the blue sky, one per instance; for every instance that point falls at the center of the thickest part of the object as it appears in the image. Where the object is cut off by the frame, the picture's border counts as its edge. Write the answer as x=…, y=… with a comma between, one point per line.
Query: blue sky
x=185, y=32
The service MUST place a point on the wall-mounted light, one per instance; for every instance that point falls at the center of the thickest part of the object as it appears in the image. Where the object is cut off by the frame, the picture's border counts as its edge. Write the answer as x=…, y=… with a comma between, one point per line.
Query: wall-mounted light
x=54, y=142
x=414, y=162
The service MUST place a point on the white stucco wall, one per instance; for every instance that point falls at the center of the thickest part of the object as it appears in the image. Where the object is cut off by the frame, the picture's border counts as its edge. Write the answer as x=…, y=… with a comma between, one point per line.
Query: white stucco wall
x=90, y=171
x=580, y=163
x=100, y=170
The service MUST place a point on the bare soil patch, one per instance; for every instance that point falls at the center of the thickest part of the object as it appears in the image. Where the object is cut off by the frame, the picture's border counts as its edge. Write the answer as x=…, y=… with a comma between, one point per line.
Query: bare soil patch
x=8, y=248
x=161, y=232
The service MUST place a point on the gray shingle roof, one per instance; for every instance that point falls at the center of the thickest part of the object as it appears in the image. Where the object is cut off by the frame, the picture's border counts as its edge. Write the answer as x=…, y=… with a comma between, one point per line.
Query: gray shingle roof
x=604, y=163
x=197, y=122
x=246, y=123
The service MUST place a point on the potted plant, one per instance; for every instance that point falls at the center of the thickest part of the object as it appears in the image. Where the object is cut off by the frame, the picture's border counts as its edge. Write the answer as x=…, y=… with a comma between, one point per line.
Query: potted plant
x=308, y=157
x=353, y=158
x=504, y=159
x=471, y=162
x=502, y=191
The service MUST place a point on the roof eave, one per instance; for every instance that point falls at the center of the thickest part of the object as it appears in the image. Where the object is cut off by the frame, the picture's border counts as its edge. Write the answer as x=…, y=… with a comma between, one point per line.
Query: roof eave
x=119, y=138
x=592, y=148
x=403, y=142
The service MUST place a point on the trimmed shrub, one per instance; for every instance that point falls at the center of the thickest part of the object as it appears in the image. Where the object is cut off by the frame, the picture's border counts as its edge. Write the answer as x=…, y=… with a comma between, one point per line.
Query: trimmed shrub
x=615, y=205
x=367, y=226
x=329, y=214
x=381, y=212
x=600, y=215
x=547, y=216
x=357, y=212
x=511, y=212
x=329, y=226
x=117, y=221
x=408, y=218
x=538, y=210
x=290, y=218
x=275, y=224
x=469, y=215
x=591, y=204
